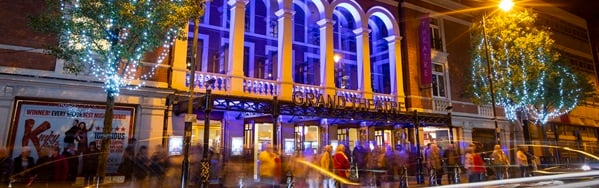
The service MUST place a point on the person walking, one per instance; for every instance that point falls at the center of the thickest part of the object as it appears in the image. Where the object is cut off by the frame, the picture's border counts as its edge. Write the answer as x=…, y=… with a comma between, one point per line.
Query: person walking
x=142, y=166
x=72, y=157
x=452, y=160
x=6, y=166
x=341, y=163
x=326, y=164
x=158, y=166
x=23, y=165
x=474, y=165
x=500, y=163
x=91, y=158
x=43, y=167
x=268, y=166
x=127, y=164
x=433, y=162
x=60, y=165
x=360, y=157
x=401, y=158
x=522, y=162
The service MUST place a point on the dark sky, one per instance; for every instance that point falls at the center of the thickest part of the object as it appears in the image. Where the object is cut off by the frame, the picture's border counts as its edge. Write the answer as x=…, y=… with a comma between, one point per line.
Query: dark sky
x=588, y=9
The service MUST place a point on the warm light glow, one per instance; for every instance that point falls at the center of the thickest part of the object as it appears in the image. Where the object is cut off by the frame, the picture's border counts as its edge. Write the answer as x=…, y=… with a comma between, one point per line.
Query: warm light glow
x=506, y=5
x=336, y=58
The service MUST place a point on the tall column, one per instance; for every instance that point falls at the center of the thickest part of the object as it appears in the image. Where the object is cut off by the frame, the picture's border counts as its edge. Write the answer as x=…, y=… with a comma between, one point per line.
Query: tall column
x=236, y=40
x=327, y=64
x=363, y=51
x=325, y=139
x=179, y=54
x=285, y=66
x=395, y=67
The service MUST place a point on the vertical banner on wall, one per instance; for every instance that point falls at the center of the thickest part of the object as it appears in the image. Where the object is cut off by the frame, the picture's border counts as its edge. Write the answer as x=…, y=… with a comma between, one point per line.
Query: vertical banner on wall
x=426, y=72
x=39, y=124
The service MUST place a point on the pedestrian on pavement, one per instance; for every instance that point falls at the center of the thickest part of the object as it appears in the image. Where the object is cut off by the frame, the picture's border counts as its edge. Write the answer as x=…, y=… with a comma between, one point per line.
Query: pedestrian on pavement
x=158, y=167
x=522, y=162
x=341, y=163
x=23, y=165
x=298, y=170
x=360, y=157
x=326, y=164
x=72, y=157
x=127, y=163
x=43, y=167
x=433, y=161
x=142, y=167
x=60, y=165
x=474, y=165
x=6, y=166
x=500, y=162
x=91, y=157
x=452, y=160
x=268, y=166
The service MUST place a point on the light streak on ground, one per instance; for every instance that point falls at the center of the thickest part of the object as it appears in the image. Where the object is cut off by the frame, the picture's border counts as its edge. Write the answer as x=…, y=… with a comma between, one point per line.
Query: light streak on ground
x=534, y=179
x=565, y=148
x=327, y=172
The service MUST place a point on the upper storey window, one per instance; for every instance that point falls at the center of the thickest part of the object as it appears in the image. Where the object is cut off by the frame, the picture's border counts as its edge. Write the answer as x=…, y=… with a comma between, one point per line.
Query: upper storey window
x=436, y=37
x=438, y=80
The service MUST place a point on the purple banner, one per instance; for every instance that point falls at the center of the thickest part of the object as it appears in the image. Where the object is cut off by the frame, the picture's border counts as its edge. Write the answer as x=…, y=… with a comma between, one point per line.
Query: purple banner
x=426, y=77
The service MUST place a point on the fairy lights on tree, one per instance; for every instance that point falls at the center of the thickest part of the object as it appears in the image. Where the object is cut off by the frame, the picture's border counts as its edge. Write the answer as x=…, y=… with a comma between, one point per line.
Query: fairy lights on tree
x=109, y=38
x=529, y=74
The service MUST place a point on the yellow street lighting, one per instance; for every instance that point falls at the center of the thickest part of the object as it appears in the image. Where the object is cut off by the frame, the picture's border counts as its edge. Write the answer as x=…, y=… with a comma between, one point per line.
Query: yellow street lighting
x=506, y=5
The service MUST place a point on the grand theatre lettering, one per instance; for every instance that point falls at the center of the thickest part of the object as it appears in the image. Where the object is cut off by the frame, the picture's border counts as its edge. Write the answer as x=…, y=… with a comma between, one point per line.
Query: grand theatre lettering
x=341, y=102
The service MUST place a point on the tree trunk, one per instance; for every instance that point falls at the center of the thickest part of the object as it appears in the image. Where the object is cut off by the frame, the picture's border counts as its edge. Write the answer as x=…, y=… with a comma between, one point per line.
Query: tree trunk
x=107, y=131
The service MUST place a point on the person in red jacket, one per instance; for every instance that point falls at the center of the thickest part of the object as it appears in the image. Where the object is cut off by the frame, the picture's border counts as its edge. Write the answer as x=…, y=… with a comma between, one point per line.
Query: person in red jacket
x=61, y=166
x=341, y=162
x=474, y=165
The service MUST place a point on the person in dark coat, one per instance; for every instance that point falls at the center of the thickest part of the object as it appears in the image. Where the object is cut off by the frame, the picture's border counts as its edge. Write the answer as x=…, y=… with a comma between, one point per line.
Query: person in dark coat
x=60, y=165
x=142, y=165
x=5, y=166
x=72, y=158
x=127, y=163
x=44, y=167
x=23, y=164
x=91, y=159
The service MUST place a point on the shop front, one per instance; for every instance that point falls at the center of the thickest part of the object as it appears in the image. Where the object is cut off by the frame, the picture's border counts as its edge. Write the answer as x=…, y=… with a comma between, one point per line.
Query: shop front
x=301, y=128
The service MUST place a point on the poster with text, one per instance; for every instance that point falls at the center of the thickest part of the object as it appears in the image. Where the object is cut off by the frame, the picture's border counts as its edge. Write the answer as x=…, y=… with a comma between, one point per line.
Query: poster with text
x=39, y=124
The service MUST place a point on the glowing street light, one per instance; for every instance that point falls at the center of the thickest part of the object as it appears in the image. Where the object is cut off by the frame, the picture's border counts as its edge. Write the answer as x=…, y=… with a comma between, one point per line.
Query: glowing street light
x=506, y=5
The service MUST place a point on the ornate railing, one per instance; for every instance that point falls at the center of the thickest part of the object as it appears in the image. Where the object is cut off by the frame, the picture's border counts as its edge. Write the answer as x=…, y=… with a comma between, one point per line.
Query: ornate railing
x=349, y=94
x=221, y=81
x=263, y=87
x=440, y=105
x=306, y=88
x=383, y=97
x=485, y=111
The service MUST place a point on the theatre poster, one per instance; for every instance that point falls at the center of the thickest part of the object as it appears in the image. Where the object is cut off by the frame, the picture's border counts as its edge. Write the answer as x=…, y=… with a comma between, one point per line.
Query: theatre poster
x=37, y=124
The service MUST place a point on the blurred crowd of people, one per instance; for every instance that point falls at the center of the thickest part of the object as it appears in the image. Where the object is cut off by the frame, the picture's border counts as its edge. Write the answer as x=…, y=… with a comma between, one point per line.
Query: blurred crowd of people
x=374, y=165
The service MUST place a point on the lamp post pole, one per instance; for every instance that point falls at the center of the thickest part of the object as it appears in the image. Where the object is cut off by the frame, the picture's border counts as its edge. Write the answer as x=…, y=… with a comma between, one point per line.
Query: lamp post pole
x=205, y=171
x=419, y=170
x=490, y=77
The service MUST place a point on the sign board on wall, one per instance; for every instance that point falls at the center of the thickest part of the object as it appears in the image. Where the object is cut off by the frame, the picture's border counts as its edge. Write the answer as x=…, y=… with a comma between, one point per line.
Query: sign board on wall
x=38, y=124
x=426, y=70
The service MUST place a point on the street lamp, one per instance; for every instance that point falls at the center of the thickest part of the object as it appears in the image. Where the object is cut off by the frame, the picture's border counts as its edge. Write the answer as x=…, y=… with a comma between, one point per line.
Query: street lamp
x=505, y=5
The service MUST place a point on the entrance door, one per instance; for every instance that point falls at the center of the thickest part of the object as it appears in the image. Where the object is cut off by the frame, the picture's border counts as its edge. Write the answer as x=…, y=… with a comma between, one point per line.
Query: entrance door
x=263, y=135
x=383, y=137
x=307, y=138
x=347, y=136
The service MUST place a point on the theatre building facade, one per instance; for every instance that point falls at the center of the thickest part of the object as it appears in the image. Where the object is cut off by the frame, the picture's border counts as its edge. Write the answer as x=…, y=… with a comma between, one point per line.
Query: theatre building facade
x=304, y=74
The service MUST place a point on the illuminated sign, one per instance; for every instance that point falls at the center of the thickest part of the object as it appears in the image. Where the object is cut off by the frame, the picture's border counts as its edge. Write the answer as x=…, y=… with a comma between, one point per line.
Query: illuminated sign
x=341, y=102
